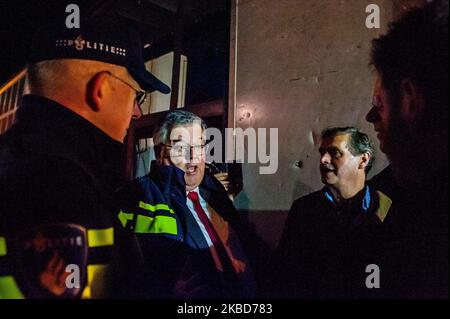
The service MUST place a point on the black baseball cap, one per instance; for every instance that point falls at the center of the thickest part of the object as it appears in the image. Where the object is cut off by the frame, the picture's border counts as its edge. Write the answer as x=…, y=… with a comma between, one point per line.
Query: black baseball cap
x=118, y=44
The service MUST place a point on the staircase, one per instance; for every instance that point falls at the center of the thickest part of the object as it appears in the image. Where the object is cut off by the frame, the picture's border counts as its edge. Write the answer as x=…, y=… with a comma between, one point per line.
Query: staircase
x=10, y=97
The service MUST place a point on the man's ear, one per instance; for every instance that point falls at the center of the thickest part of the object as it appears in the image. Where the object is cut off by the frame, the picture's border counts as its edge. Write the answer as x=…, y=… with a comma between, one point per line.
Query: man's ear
x=161, y=157
x=412, y=101
x=95, y=91
x=158, y=154
x=364, y=160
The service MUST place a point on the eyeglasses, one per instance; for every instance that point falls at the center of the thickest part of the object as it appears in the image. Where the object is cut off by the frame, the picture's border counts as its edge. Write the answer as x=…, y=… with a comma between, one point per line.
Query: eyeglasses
x=182, y=149
x=141, y=95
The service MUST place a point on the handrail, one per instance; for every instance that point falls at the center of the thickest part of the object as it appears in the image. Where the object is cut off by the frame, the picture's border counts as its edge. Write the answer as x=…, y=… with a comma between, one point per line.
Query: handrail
x=10, y=96
x=16, y=78
x=6, y=114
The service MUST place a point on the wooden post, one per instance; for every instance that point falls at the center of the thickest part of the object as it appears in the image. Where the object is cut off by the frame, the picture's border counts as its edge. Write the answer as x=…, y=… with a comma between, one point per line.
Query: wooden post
x=130, y=155
x=177, y=50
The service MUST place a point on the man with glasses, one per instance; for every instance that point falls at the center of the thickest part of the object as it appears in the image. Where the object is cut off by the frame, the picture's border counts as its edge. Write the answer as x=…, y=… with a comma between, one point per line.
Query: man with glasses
x=193, y=241
x=61, y=162
x=141, y=95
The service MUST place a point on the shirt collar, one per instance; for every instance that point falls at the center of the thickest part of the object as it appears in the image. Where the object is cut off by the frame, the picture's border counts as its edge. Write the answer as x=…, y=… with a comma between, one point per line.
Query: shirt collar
x=196, y=190
x=363, y=198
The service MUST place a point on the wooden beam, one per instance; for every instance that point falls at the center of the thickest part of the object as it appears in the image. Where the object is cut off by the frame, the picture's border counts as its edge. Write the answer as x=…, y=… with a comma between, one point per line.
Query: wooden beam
x=208, y=109
x=230, y=116
x=177, y=49
x=130, y=155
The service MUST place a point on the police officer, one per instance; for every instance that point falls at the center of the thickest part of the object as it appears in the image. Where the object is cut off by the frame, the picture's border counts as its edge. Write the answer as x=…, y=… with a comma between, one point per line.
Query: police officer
x=60, y=162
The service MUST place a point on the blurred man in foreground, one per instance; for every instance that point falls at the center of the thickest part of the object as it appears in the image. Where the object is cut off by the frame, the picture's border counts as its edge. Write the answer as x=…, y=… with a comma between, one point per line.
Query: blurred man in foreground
x=410, y=116
x=61, y=161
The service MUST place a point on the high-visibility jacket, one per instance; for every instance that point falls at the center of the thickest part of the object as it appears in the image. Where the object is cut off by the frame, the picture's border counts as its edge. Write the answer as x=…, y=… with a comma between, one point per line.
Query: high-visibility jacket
x=58, y=227
x=147, y=210
x=178, y=261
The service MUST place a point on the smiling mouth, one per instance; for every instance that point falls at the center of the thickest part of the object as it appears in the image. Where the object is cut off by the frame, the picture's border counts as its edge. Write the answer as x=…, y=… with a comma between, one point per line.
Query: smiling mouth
x=191, y=169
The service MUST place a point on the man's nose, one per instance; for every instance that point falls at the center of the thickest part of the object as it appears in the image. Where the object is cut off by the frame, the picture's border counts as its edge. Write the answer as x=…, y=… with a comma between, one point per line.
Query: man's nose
x=194, y=156
x=372, y=116
x=325, y=158
x=137, y=111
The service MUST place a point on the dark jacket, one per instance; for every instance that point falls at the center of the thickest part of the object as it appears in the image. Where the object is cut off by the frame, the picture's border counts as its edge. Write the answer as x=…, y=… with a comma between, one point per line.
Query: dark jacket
x=325, y=248
x=416, y=241
x=179, y=255
x=57, y=176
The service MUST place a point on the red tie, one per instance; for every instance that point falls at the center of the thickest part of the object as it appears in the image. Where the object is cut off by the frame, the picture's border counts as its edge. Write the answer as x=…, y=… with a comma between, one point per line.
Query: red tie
x=218, y=245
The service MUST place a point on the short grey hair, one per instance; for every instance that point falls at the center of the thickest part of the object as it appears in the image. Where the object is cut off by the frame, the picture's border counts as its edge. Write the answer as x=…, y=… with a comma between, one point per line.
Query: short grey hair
x=64, y=74
x=161, y=134
x=359, y=142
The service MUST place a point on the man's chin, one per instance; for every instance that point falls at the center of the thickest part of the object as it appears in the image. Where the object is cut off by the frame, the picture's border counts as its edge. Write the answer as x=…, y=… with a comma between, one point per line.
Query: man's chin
x=329, y=180
x=191, y=187
x=390, y=150
x=191, y=183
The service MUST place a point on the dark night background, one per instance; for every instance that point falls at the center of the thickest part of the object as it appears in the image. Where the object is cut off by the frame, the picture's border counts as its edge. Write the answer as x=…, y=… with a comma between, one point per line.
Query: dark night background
x=205, y=35
x=18, y=20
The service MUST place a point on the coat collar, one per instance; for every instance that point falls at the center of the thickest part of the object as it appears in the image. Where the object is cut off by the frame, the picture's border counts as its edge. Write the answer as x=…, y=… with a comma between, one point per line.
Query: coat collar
x=63, y=126
x=169, y=179
x=50, y=129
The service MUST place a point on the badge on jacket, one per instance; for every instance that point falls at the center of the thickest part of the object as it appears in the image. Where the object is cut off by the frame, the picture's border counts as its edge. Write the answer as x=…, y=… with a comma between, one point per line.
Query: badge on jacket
x=47, y=257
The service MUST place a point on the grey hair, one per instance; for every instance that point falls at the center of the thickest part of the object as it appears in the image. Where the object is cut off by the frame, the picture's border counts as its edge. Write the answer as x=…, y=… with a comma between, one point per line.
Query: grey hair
x=161, y=134
x=60, y=74
x=45, y=73
x=359, y=142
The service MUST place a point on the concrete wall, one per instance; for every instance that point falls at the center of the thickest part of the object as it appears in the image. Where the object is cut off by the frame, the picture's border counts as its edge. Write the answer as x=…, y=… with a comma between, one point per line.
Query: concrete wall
x=301, y=66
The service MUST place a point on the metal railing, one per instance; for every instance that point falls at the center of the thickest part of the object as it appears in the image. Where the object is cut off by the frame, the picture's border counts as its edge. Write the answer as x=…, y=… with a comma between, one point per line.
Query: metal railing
x=10, y=98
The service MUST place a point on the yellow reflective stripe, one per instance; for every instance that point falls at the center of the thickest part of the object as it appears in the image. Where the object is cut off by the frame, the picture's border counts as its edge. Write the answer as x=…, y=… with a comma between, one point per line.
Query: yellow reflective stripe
x=86, y=293
x=100, y=237
x=3, y=250
x=124, y=218
x=156, y=225
x=95, y=282
x=9, y=288
x=155, y=207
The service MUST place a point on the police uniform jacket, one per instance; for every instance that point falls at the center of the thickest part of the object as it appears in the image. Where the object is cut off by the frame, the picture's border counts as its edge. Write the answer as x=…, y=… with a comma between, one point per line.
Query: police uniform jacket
x=57, y=176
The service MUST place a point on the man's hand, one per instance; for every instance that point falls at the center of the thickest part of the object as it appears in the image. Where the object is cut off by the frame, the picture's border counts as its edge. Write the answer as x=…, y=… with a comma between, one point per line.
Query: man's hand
x=224, y=179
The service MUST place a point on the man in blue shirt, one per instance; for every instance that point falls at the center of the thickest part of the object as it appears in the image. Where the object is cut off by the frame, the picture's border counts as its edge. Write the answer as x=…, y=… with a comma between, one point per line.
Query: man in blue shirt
x=329, y=236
